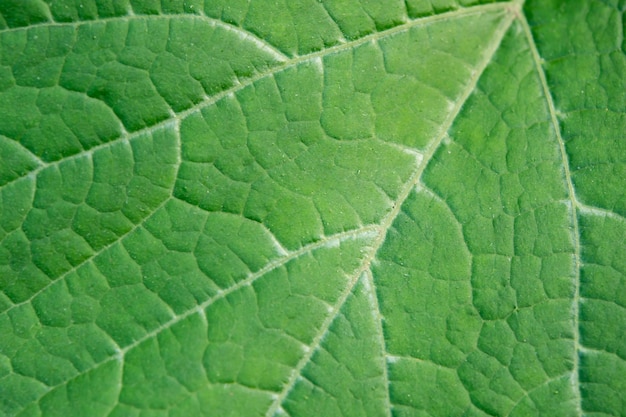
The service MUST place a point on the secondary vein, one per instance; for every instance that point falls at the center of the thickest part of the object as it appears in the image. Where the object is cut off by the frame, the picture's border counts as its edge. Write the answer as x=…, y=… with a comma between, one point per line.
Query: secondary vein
x=573, y=203
x=280, y=67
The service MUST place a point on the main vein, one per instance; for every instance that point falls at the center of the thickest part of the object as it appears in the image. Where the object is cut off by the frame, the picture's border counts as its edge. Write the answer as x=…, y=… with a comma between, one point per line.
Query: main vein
x=573, y=203
x=397, y=207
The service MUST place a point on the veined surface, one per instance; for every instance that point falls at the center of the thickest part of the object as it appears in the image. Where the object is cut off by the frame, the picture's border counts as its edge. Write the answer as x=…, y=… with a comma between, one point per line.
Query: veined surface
x=337, y=208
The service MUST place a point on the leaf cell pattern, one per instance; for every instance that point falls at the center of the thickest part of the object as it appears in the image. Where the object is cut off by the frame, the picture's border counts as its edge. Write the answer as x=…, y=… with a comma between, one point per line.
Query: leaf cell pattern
x=339, y=208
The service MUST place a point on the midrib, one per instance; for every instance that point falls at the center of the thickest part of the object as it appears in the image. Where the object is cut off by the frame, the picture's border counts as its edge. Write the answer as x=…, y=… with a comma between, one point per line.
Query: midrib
x=573, y=207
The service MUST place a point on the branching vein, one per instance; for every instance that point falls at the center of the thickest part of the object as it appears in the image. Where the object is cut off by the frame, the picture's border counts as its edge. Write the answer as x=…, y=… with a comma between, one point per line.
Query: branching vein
x=390, y=218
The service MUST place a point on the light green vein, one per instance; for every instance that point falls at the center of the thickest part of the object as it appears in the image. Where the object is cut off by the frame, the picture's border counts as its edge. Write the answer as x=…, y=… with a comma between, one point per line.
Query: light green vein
x=574, y=204
x=239, y=31
x=600, y=212
x=370, y=287
x=527, y=394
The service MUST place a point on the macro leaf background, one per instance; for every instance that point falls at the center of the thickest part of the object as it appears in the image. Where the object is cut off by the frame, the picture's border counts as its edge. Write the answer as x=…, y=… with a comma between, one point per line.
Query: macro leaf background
x=312, y=208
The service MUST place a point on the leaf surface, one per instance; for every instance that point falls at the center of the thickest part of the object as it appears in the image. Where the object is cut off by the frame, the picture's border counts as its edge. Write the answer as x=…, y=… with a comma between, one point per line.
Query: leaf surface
x=338, y=208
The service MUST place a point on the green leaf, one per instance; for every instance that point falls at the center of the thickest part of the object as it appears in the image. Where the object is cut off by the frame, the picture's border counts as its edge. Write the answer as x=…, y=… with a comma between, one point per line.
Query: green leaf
x=312, y=208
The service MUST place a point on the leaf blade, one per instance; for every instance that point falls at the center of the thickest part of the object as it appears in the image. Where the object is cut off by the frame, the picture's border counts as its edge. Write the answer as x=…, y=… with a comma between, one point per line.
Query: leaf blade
x=299, y=192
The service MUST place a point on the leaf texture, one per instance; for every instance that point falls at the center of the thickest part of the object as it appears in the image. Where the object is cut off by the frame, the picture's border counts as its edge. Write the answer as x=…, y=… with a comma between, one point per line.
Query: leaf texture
x=333, y=208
